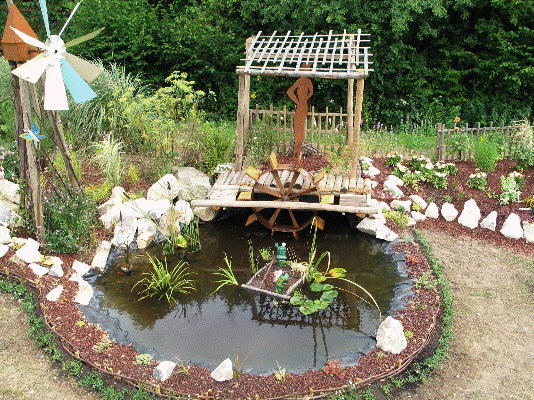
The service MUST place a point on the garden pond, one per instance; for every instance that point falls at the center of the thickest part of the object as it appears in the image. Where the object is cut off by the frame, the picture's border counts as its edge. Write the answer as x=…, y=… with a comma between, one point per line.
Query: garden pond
x=264, y=333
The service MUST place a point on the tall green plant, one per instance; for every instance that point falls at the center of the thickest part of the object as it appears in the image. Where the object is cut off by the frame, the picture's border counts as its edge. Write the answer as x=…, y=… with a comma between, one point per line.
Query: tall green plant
x=162, y=282
x=109, y=159
x=486, y=154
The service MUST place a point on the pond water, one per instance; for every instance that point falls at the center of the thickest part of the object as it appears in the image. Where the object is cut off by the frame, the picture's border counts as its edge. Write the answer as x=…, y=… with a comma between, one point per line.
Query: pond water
x=204, y=328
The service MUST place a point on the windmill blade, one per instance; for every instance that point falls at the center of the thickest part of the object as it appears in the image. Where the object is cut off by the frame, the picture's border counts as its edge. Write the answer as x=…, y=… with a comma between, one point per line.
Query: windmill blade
x=83, y=38
x=32, y=70
x=78, y=88
x=30, y=40
x=55, y=94
x=44, y=11
x=84, y=68
x=70, y=16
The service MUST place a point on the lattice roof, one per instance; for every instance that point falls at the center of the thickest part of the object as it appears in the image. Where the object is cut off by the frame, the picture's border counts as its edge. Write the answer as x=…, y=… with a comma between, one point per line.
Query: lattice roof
x=335, y=56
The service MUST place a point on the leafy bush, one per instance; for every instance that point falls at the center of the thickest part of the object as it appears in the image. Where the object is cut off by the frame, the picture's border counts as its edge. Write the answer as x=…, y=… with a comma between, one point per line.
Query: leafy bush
x=478, y=180
x=523, y=145
x=68, y=216
x=486, y=154
x=510, y=190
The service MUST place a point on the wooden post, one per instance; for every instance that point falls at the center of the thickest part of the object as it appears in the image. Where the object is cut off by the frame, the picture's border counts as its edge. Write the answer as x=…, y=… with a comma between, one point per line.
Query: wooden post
x=31, y=164
x=350, y=102
x=357, y=119
x=243, y=103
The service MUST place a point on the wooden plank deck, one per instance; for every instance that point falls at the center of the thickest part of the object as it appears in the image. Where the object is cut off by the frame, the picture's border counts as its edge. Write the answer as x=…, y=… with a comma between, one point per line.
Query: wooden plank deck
x=354, y=194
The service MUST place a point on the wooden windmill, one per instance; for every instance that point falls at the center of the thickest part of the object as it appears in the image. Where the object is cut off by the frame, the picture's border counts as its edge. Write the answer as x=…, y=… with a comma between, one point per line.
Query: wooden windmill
x=29, y=58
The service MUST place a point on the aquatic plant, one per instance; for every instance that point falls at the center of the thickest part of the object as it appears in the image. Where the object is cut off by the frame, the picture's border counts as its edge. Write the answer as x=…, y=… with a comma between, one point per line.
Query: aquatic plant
x=191, y=232
x=280, y=375
x=238, y=368
x=164, y=283
x=253, y=265
x=227, y=274
x=265, y=253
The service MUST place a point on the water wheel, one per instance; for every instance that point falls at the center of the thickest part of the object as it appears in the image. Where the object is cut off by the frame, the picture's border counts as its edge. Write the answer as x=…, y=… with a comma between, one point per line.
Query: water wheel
x=284, y=177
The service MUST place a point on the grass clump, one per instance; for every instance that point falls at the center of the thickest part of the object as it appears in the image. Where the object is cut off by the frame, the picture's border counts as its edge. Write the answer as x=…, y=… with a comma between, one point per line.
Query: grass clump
x=227, y=274
x=164, y=283
x=109, y=158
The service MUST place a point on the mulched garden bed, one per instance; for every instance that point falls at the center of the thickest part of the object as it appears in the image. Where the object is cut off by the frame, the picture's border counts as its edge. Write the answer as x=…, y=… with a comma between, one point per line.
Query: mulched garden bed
x=421, y=314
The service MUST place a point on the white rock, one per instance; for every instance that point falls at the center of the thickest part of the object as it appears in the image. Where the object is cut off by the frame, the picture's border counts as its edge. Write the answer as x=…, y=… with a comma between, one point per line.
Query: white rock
x=80, y=268
x=396, y=180
x=56, y=271
x=417, y=216
x=164, y=370
x=384, y=233
x=390, y=336
x=138, y=208
x=370, y=225
x=490, y=222
x=19, y=241
x=158, y=208
x=29, y=253
x=10, y=191
x=193, y=184
x=3, y=250
x=146, y=232
x=382, y=205
x=371, y=172
x=54, y=294
x=391, y=188
x=184, y=212
x=366, y=160
x=223, y=372
x=101, y=256
x=419, y=201
x=470, y=214
x=113, y=202
x=528, y=231
x=125, y=231
x=400, y=204
x=30, y=242
x=110, y=218
x=38, y=269
x=432, y=211
x=511, y=228
x=85, y=293
x=205, y=213
x=411, y=222
x=448, y=212
x=118, y=192
x=5, y=235
x=167, y=188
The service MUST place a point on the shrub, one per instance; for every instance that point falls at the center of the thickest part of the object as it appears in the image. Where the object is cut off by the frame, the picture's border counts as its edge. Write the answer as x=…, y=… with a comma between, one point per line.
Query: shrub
x=478, y=180
x=68, y=216
x=510, y=191
x=523, y=145
x=486, y=154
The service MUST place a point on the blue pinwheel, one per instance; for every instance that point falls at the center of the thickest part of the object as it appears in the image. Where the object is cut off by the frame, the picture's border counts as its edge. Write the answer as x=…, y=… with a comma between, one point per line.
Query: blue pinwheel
x=32, y=135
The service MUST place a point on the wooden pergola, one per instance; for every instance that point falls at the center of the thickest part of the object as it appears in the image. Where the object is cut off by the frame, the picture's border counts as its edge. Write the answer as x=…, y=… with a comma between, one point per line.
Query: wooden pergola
x=333, y=56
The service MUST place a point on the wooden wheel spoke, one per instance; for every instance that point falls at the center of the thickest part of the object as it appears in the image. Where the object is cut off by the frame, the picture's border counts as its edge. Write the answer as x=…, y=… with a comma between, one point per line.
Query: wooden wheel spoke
x=265, y=189
x=274, y=216
x=293, y=219
x=278, y=182
x=293, y=181
x=304, y=192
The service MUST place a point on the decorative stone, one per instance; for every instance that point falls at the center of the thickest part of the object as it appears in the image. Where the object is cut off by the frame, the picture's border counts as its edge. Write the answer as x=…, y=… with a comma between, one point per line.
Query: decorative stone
x=411, y=222
x=419, y=201
x=166, y=188
x=85, y=293
x=371, y=172
x=113, y=202
x=164, y=370
x=391, y=188
x=193, y=184
x=417, y=216
x=490, y=222
x=205, y=213
x=54, y=294
x=382, y=205
x=390, y=336
x=158, y=208
x=3, y=250
x=146, y=232
x=370, y=225
x=399, y=205
x=183, y=212
x=5, y=235
x=29, y=253
x=118, y=192
x=223, y=372
x=125, y=231
x=138, y=208
x=56, y=271
x=396, y=180
x=470, y=214
x=384, y=233
x=10, y=191
x=33, y=243
x=448, y=212
x=432, y=211
x=101, y=256
x=528, y=231
x=511, y=228
x=111, y=218
x=80, y=268
x=38, y=269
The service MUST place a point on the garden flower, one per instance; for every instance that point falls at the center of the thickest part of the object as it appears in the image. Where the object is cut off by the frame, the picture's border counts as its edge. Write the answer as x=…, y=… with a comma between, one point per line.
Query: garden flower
x=456, y=120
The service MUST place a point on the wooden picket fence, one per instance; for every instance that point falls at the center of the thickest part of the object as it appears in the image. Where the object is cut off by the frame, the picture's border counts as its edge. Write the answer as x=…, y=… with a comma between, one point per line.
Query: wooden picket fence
x=445, y=136
x=326, y=130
